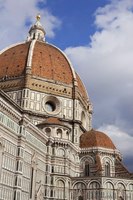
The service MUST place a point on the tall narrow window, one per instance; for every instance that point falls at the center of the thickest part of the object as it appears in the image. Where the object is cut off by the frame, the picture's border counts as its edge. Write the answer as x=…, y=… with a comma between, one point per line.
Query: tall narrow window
x=51, y=193
x=32, y=172
x=107, y=169
x=87, y=169
x=80, y=198
x=14, y=194
x=79, y=191
x=46, y=180
x=60, y=190
x=45, y=192
x=122, y=191
x=52, y=170
x=94, y=191
x=109, y=195
x=47, y=168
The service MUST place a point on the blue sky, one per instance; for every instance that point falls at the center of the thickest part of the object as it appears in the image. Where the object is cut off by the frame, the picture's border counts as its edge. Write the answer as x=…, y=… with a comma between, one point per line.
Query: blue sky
x=97, y=36
x=77, y=19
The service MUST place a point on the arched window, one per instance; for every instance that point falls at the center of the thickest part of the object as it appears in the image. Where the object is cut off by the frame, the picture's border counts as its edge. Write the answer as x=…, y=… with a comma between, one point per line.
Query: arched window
x=121, y=191
x=107, y=169
x=61, y=152
x=67, y=135
x=94, y=191
x=60, y=190
x=130, y=192
x=80, y=198
x=59, y=133
x=109, y=191
x=48, y=131
x=87, y=169
x=79, y=191
x=51, y=193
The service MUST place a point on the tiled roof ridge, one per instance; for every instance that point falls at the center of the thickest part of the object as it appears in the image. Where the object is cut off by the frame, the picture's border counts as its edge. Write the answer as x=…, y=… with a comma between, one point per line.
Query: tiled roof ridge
x=121, y=170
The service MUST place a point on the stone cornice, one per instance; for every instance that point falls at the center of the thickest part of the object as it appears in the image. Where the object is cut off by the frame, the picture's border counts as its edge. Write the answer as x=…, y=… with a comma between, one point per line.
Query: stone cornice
x=9, y=106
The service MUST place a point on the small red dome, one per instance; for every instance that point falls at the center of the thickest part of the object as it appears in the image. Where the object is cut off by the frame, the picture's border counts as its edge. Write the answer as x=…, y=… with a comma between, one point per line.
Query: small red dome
x=95, y=138
x=53, y=121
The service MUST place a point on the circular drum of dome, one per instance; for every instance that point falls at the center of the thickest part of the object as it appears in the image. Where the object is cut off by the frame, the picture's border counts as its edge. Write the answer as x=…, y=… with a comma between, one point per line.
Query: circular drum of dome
x=51, y=105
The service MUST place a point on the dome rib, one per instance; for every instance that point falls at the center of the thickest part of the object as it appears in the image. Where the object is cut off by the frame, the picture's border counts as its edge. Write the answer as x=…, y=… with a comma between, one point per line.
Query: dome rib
x=30, y=53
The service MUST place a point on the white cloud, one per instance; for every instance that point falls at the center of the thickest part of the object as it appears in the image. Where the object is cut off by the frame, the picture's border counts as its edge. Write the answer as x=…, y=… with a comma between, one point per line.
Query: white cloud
x=13, y=16
x=106, y=66
x=122, y=140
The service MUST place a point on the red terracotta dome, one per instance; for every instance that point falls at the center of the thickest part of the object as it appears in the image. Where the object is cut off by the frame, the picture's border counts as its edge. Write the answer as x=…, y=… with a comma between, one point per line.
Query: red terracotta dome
x=35, y=62
x=13, y=60
x=46, y=62
x=95, y=138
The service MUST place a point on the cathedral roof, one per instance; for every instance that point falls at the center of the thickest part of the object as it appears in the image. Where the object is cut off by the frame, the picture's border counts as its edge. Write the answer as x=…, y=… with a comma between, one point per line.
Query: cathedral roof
x=53, y=121
x=38, y=59
x=95, y=138
x=47, y=62
x=13, y=61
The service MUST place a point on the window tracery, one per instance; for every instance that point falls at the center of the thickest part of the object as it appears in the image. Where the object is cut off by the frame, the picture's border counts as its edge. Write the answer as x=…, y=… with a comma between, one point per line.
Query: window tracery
x=79, y=191
x=60, y=189
x=87, y=169
x=121, y=191
x=130, y=192
x=94, y=191
x=109, y=191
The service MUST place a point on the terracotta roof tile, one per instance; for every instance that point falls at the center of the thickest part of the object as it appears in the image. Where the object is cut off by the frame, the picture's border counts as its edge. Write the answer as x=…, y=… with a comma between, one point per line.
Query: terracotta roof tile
x=13, y=61
x=48, y=62
x=120, y=170
x=94, y=138
x=52, y=121
x=81, y=87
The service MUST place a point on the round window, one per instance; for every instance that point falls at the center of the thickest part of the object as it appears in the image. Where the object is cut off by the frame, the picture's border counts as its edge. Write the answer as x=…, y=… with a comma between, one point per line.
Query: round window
x=47, y=130
x=51, y=105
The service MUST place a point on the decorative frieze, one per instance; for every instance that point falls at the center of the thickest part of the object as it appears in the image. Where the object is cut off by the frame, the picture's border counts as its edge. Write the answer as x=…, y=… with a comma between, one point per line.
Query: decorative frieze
x=7, y=178
x=35, y=142
x=9, y=123
x=10, y=147
x=6, y=193
x=9, y=163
